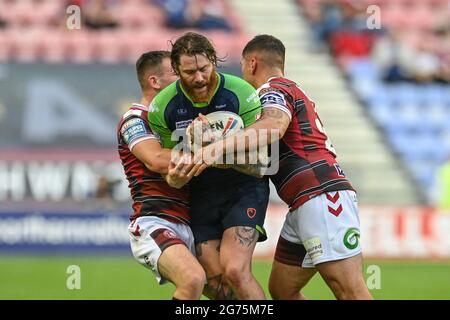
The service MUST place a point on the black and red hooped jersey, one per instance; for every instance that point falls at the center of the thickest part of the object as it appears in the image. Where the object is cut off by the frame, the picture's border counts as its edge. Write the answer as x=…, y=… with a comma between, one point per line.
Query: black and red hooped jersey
x=150, y=193
x=307, y=165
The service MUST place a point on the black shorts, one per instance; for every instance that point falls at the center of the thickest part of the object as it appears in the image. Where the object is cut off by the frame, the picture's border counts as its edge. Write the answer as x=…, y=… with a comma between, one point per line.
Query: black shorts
x=218, y=209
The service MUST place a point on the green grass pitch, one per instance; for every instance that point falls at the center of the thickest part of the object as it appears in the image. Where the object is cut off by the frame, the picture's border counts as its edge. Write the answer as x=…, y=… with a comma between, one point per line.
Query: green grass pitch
x=120, y=277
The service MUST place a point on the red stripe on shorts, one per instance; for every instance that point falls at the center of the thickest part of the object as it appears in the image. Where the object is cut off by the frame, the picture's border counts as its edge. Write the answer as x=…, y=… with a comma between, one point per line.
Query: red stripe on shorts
x=289, y=253
x=165, y=238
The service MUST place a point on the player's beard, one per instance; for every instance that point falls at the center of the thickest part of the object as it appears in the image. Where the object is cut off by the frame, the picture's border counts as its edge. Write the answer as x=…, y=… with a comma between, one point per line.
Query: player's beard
x=201, y=92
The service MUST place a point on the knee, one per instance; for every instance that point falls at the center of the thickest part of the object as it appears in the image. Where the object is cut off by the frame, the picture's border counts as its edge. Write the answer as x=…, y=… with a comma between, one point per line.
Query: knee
x=357, y=292
x=193, y=282
x=348, y=291
x=337, y=288
x=278, y=292
x=236, y=275
x=275, y=291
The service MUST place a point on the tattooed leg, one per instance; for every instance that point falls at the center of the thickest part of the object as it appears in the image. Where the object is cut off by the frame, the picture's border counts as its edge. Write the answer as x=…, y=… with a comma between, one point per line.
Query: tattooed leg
x=238, y=244
x=217, y=289
x=245, y=235
x=208, y=254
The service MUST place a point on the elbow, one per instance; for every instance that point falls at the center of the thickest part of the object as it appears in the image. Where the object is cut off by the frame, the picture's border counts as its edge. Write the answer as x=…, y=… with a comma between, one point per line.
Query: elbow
x=158, y=164
x=281, y=129
x=276, y=130
x=156, y=167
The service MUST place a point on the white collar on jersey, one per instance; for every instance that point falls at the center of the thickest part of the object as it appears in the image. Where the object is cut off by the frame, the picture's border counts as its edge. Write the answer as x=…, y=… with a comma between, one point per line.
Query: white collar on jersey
x=140, y=106
x=266, y=85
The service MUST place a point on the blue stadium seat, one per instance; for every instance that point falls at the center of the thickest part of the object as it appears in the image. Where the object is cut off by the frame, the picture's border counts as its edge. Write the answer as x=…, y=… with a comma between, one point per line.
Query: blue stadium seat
x=447, y=97
x=404, y=93
x=377, y=99
x=408, y=115
x=365, y=88
x=374, y=91
x=437, y=117
x=423, y=171
x=363, y=69
x=381, y=111
x=430, y=94
x=418, y=147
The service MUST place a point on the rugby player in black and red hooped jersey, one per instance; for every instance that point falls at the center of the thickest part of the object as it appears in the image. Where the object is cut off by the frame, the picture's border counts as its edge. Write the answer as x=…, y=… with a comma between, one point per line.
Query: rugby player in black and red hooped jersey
x=321, y=230
x=160, y=236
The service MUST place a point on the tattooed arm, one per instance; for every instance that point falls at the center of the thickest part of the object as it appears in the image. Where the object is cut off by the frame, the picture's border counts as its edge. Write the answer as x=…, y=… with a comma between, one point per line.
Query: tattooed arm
x=270, y=127
x=273, y=119
x=273, y=124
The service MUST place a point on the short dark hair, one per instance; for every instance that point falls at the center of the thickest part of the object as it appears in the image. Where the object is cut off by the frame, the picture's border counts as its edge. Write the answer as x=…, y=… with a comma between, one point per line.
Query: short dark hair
x=192, y=43
x=148, y=61
x=269, y=44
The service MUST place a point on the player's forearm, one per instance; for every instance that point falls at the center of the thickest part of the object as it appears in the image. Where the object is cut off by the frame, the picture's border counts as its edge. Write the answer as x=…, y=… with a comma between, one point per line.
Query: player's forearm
x=159, y=161
x=248, y=144
x=262, y=133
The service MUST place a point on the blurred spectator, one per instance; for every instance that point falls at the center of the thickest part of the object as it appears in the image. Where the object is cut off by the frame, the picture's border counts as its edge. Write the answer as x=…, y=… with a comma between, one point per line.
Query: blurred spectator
x=403, y=61
x=443, y=53
x=393, y=56
x=343, y=25
x=104, y=195
x=444, y=186
x=104, y=188
x=200, y=14
x=177, y=13
x=212, y=14
x=426, y=65
x=354, y=17
x=326, y=17
x=3, y=23
x=97, y=14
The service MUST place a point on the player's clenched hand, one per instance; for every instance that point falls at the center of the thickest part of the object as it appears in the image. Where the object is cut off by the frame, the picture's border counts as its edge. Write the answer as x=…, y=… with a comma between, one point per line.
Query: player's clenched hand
x=202, y=118
x=181, y=170
x=209, y=156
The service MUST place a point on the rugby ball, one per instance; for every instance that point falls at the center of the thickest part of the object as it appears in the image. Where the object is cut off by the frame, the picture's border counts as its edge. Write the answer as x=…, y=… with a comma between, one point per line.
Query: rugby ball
x=221, y=124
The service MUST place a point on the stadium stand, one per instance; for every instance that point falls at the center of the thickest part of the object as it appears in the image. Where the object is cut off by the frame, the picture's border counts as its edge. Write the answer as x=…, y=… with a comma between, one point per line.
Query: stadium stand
x=399, y=73
x=361, y=150
x=35, y=30
x=393, y=91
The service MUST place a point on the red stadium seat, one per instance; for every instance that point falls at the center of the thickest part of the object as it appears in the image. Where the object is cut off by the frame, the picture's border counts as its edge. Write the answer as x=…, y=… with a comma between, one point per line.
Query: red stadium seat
x=421, y=16
x=107, y=46
x=141, y=29
x=351, y=44
x=82, y=46
x=393, y=16
x=6, y=46
x=55, y=46
x=136, y=16
x=27, y=44
x=50, y=12
x=228, y=45
x=134, y=46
